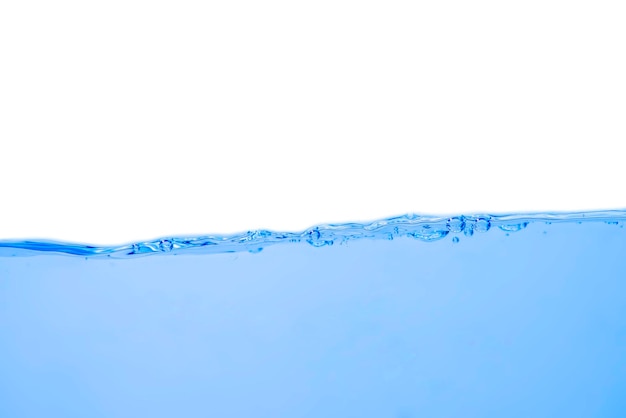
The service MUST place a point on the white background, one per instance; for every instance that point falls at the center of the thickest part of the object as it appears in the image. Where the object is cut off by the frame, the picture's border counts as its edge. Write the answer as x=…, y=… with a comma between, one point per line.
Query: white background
x=129, y=120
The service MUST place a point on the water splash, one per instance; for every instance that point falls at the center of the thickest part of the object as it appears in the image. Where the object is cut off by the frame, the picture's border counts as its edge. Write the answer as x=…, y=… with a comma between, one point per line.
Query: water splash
x=420, y=227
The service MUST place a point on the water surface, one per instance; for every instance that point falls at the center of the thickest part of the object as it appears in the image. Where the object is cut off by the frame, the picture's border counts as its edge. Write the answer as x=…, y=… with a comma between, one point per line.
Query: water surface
x=465, y=316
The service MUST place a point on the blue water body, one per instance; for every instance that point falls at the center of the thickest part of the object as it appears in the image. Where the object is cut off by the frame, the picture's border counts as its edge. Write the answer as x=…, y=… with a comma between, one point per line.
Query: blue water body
x=413, y=316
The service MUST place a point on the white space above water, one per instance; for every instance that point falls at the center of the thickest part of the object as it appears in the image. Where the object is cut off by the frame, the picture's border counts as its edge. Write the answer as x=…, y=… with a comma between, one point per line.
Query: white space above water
x=135, y=119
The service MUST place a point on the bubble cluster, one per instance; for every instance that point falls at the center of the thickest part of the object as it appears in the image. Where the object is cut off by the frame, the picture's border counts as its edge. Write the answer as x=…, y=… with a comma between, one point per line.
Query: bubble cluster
x=422, y=228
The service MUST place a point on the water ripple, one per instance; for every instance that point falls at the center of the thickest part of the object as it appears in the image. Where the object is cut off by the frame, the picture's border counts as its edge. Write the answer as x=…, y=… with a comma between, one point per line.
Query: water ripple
x=421, y=227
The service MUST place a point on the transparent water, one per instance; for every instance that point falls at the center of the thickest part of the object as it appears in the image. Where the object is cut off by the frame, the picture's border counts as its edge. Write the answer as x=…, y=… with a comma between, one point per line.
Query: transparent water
x=477, y=316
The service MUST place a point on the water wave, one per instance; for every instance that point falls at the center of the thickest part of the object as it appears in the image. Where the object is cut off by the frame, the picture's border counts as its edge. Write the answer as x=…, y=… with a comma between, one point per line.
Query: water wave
x=421, y=227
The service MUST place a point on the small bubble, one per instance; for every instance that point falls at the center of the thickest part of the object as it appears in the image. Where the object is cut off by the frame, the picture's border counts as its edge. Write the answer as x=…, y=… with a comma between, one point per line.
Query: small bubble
x=456, y=224
x=482, y=225
x=427, y=233
x=314, y=235
x=314, y=238
x=469, y=230
x=255, y=250
x=455, y=240
x=166, y=245
x=514, y=227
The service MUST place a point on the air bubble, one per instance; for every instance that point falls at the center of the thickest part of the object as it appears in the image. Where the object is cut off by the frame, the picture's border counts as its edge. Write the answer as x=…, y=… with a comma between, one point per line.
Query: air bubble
x=482, y=225
x=314, y=238
x=455, y=240
x=514, y=227
x=456, y=224
x=427, y=234
x=314, y=235
x=469, y=230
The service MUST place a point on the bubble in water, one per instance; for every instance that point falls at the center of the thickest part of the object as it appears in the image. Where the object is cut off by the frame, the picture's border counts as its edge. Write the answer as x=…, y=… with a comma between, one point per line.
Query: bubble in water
x=456, y=224
x=469, y=230
x=482, y=225
x=455, y=240
x=514, y=227
x=314, y=235
x=314, y=238
x=428, y=233
x=255, y=250
x=166, y=245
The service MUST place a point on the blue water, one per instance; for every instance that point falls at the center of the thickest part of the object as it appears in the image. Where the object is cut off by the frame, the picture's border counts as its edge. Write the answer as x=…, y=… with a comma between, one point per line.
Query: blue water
x=475, y=316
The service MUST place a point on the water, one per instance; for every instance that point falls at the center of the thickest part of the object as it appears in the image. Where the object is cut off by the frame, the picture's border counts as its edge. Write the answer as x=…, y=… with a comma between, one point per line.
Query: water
x=469, y=316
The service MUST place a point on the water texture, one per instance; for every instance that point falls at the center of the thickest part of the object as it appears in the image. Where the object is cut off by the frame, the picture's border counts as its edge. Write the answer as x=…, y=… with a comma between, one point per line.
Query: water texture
x=412, y=316
x=424, y=228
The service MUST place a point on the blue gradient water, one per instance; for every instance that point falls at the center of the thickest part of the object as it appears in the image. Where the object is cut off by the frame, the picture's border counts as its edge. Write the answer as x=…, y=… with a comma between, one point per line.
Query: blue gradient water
x=477, y=316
